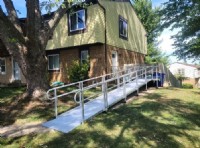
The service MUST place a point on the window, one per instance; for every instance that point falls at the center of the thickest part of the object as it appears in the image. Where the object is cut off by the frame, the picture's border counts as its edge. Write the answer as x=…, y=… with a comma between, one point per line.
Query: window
x=53, y=62
x=84, y=56
x=123, y=28
x=181, y=71
x=2, y=66
x=77, y=20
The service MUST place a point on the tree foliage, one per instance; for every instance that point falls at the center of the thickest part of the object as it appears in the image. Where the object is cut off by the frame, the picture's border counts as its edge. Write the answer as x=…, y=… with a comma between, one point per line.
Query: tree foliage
x=154, y=55
x=151, y=19
x=185, y=15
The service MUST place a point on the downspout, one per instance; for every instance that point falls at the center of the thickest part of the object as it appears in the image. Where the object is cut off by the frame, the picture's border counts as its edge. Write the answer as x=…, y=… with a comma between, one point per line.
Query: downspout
x=105, y=45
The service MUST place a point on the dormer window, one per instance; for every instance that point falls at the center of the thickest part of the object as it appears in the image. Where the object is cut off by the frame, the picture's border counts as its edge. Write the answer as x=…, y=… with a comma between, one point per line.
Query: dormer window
x=77, y=20
x=123, y=28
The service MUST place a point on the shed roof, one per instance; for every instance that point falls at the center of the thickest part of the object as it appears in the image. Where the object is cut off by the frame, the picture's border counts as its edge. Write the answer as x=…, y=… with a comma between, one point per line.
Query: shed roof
x=186, y=64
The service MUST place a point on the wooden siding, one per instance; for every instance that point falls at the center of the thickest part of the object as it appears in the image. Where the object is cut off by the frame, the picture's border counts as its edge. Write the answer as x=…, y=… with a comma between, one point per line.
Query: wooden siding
x=94, y=33
x=95, y=23
x=137, y=40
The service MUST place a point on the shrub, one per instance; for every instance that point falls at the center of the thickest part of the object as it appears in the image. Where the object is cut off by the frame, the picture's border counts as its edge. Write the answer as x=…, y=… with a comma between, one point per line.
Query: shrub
x=187, y=86
x=78, y=72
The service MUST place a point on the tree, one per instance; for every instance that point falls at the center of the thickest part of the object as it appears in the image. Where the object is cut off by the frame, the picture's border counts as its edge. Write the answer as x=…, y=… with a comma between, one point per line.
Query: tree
x=184, y=14
x=154, y=55
x=181, y=78
x=27, y=42
x=151, y=19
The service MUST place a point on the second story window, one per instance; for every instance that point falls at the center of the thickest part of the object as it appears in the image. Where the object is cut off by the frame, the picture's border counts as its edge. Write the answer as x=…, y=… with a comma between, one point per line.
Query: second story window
x=53, y=62
x=123, y=28
x=2, y=66
x=77, y=20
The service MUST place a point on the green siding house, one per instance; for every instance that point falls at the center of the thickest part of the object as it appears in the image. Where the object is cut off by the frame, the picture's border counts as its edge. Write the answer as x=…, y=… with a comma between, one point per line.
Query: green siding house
x=107, y=31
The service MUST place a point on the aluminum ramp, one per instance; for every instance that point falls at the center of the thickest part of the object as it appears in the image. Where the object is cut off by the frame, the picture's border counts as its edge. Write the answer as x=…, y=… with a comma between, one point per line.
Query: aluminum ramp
x=73, y=118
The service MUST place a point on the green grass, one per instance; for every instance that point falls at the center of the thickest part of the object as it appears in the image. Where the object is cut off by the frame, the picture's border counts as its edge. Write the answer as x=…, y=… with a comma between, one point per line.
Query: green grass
x=16, y=110
x=166, y=118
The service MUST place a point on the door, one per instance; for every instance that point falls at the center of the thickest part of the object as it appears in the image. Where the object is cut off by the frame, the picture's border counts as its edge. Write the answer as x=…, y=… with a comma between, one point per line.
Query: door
x=114, y=61
x=16, y=71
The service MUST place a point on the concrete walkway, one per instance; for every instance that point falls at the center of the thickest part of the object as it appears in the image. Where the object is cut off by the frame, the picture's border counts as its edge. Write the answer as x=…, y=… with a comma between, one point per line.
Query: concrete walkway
x=21, y=130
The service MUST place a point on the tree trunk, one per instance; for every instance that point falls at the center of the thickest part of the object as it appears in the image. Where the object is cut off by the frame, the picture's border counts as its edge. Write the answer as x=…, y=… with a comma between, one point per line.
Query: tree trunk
x=33, y=65
x=26, y=42
x=36, y=78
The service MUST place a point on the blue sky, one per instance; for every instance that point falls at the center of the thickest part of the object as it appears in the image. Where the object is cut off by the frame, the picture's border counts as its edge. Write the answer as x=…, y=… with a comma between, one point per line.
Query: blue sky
x=20, y=5
x=164, y=39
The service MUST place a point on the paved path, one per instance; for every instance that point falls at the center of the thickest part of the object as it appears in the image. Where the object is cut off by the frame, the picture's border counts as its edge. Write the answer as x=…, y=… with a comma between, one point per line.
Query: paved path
x=21, y=130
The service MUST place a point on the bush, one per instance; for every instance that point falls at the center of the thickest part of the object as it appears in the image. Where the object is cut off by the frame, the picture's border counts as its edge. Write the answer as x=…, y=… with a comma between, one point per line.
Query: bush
x=78, y=72
x=187, y=86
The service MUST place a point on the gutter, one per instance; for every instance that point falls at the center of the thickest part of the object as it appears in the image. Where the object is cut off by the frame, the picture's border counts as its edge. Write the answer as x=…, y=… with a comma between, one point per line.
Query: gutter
x=105, y=45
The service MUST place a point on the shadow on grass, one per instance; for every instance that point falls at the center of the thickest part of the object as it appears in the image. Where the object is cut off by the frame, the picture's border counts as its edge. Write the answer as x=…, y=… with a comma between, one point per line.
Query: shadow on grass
x=139, y=124
x=155, y=122
x=14, y=106
x=196, y=92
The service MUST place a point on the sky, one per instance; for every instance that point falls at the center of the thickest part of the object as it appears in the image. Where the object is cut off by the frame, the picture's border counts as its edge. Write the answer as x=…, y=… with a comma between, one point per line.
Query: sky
x=164, y=39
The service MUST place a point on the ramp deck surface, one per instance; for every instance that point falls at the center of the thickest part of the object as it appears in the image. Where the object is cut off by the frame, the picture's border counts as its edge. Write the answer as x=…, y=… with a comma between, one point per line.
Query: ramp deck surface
x=73, y=118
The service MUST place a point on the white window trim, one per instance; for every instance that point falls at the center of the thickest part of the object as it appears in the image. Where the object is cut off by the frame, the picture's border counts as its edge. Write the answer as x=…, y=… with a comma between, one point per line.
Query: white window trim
x=3, y=73
x=77, y=21
x=51, y=55
x=126, y=36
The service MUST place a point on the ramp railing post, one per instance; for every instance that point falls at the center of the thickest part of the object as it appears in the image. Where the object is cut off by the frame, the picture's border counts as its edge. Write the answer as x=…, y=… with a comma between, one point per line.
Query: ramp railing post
x=156, y=77
x=146, y=77
x=81, y=98
x=124, y=88
x=56, y=103
x=118, y=81
x=105, y=93
x=137, y=87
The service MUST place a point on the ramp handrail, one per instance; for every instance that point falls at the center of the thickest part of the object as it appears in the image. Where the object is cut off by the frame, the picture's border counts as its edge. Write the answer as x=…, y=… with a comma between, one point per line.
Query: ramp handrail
x=120, y=77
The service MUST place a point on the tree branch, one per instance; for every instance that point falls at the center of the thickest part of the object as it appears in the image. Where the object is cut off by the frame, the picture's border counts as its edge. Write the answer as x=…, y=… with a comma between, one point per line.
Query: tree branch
x=12, y=39
x=33, y=19
x=9, y=35
x=58, y=15
x=53, y=22
x=12, y=14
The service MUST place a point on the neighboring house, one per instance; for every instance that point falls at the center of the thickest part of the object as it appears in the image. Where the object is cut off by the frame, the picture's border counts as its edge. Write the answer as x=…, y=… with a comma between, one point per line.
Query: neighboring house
x=9, y=69
x=191, y=72
x=108, y=32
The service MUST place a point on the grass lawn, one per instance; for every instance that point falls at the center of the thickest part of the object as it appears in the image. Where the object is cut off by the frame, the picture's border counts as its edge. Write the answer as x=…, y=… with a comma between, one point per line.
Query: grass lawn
x=168, y=117
x=14, y=110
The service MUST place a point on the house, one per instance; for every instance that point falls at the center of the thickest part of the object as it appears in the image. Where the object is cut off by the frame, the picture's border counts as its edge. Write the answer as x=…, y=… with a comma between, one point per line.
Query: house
x=191, y=72
x=108, y=32
x=9, y=69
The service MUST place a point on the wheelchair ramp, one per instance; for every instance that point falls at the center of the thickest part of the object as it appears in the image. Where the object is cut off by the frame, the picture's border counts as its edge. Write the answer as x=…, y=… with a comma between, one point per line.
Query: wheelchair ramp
x=73, y=118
